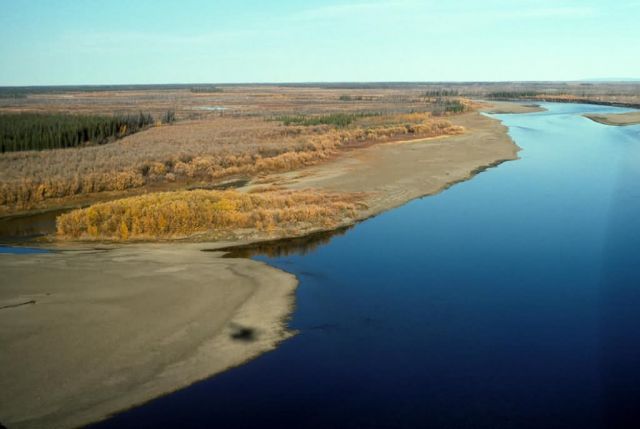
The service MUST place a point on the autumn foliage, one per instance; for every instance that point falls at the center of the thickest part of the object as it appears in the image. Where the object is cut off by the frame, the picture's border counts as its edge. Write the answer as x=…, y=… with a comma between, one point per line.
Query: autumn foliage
x=167, y=215
x=189, y=152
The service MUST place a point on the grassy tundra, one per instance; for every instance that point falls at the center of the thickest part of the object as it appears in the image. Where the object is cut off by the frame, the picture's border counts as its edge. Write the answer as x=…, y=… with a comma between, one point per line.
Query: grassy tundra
x=205, y=147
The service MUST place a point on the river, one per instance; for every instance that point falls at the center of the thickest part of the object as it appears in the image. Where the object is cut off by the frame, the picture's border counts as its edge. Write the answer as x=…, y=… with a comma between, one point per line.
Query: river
x=508, y=301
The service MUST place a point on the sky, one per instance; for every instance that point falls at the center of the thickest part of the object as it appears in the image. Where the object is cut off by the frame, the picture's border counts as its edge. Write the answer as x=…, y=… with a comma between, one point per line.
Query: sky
x=73, y=42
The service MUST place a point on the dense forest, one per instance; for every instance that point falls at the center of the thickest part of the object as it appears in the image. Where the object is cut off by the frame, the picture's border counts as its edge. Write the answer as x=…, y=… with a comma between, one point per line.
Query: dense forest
x=513, y=94
x=35, y=131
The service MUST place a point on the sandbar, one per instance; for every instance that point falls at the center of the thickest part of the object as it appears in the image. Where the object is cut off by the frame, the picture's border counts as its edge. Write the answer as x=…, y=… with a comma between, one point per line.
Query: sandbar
x=88, y=332
x=616, y=119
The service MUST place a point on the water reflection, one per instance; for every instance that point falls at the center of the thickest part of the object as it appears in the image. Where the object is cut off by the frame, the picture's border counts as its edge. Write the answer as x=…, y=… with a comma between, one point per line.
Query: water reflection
x=24, y=228
x=283, y=247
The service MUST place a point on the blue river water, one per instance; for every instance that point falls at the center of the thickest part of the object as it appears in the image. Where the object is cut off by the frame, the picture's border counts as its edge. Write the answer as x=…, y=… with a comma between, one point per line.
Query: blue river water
x=21, y=250
x=508, y=301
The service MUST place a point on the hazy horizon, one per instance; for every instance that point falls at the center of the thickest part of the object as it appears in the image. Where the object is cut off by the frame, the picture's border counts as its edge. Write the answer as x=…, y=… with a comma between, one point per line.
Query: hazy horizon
x=158, y=42
x=302, y=83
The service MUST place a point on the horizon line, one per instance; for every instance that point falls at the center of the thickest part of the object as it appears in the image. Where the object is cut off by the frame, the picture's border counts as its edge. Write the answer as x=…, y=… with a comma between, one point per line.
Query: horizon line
x=381, y=82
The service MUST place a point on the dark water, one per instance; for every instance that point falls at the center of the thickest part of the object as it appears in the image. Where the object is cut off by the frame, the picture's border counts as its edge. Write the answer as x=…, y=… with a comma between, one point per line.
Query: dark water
x=27, y=228
x=16, y=232
x=509, y=301
x=21, y=250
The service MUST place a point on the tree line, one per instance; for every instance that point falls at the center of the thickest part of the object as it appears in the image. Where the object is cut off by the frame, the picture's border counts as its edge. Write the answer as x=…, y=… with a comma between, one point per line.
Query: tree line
x=9, y=95
x=205, y=89
x=37, y=131
x=339, y=120
x=441, y=93
x=513, y=94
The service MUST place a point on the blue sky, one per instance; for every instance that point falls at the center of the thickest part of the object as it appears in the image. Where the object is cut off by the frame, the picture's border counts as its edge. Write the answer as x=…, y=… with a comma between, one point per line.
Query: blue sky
x=49, y=42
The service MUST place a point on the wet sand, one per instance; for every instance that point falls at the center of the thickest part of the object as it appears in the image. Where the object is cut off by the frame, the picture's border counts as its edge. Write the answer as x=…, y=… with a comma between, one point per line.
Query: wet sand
x=87, y=333
x=111, y=329
x=617, y=119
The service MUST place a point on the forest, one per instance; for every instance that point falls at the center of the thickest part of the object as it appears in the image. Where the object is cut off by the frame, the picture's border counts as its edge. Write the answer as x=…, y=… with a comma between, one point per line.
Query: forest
x=38, y=131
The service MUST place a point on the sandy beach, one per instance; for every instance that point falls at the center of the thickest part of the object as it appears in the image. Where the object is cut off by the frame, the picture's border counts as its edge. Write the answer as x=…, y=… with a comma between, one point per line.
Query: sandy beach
x=88, y=332
x=85, y=333
x=617, y=119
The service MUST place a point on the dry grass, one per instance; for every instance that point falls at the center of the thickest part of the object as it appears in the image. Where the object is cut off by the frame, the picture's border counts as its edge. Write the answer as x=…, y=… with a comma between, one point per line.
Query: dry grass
x=207, y=145
x=193, y=151
x=167, y=215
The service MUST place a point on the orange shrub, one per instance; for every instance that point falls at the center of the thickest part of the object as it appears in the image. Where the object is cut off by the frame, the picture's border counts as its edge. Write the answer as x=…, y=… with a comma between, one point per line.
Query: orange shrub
x=185, y=213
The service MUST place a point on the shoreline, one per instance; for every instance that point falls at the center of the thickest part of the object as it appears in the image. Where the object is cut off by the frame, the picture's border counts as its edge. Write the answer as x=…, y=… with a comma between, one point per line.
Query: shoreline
x=496, y=107
x=136, y=286
x=159, y=318
x=434, y=164
x=616, y=119
x=568, y=101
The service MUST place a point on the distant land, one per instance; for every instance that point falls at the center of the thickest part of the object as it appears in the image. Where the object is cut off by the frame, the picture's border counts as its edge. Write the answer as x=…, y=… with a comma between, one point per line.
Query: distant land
x=41, y=89
x=611, y=79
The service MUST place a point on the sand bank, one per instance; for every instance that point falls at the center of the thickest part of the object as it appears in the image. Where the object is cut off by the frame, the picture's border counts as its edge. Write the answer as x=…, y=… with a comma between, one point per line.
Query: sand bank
x=391, y=174
x=505, y=107
x=619, y=119
x=88, y=333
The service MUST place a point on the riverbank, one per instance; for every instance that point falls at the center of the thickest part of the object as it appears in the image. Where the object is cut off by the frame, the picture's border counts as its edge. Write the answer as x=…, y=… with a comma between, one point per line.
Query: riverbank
x=113, y=328
x=507, y=107
x=360, y=183
x=616, y=119
x=89, y=332
x=391, y=174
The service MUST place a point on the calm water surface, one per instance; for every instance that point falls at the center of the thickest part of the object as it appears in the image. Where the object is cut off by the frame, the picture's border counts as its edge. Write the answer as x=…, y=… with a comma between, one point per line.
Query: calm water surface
x=509, y=301
x=27, y=228
x=21, y=250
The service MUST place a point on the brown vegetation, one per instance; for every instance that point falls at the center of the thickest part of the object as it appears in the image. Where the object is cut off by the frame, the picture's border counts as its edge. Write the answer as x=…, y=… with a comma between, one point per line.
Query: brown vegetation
x=231, y=133
x=194, y=151
x=181, y=214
